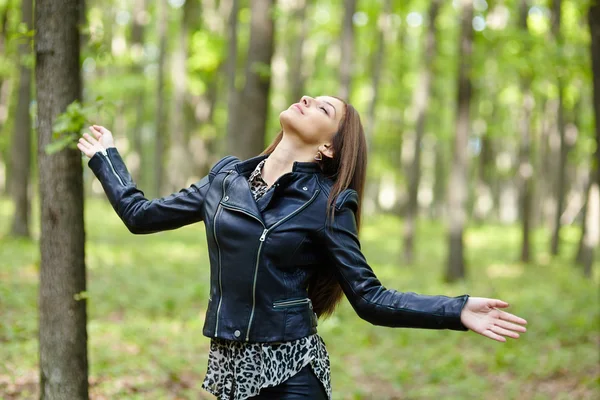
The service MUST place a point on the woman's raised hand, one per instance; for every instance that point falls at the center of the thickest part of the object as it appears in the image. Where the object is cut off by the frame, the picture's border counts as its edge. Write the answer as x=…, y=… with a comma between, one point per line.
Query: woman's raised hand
x=102, y=140
x=481, y=315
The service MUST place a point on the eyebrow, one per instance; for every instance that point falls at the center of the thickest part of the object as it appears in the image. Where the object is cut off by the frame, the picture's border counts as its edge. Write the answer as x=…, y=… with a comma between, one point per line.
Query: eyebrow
x=334, y=110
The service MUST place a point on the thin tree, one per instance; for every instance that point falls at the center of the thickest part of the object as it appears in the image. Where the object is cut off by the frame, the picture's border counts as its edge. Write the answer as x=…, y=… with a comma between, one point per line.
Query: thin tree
x=525, y=165
x=377, y=70
x=297, y=71
x=563, y=149
x=457, y=192
x=161, y=114
x=231, y=71
x=62, y=304
x=180, y=167
x=21, y=143
x=5, y=84
x=420, y=106
x=347, y=47
x=254, y=100
x=137, y=68
x=591, y=232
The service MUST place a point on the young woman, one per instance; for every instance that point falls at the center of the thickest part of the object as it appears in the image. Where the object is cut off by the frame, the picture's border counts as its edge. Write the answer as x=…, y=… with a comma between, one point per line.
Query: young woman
x=282, y=231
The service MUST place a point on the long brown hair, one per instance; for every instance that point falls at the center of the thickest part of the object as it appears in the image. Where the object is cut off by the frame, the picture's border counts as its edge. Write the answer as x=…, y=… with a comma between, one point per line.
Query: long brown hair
x=347, y=169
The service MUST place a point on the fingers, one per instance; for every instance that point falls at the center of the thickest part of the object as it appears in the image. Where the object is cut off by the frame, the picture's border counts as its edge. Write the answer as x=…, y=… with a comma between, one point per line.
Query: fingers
x=90, y=139
x=492, y=335
x=101, y=129
x=505, y=332
x=511, y=326
x=85, y=147
x=497, y=303
x=84, y=144
x=506, y=316
x=96, y=133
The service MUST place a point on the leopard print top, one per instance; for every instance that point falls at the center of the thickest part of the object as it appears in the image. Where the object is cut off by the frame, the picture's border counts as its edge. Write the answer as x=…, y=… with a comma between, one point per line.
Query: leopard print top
x=238, y=370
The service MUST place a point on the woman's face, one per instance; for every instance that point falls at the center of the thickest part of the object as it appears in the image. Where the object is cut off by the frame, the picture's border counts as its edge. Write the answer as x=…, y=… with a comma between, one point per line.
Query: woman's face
x=314, y=120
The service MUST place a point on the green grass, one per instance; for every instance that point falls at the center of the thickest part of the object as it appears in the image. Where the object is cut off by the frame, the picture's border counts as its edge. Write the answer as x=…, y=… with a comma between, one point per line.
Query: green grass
x=148, y=294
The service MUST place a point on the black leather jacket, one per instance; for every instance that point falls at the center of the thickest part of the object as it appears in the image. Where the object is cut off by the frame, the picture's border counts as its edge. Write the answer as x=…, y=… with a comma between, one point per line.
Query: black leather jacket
x=262, y=253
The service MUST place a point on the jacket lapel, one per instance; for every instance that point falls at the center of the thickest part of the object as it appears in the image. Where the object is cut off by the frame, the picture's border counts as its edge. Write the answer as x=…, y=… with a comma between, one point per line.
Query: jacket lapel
x=240, y=197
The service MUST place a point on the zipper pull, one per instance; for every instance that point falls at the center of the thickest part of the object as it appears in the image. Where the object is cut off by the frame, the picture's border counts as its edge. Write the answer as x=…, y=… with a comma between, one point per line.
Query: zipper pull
x=262, y=238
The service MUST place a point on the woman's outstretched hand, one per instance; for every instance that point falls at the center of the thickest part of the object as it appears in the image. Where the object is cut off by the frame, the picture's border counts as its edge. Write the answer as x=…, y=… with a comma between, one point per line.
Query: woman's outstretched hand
x=482, y=315
x=102, y=140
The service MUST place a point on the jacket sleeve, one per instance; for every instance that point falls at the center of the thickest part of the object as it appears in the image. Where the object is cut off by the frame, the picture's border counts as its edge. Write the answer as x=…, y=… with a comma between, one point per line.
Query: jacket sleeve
x=369, y=298
x=143, y=216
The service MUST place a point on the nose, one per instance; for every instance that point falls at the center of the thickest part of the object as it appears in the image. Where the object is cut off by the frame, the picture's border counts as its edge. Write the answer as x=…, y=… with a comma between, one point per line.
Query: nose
x=306, y=100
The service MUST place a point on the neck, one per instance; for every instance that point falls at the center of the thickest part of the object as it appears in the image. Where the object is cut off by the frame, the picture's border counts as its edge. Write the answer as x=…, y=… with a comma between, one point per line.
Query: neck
x=281, y=160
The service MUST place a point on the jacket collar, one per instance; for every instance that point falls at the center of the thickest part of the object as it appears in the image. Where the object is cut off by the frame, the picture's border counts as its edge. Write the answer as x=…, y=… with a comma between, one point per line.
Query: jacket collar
x=298, y=166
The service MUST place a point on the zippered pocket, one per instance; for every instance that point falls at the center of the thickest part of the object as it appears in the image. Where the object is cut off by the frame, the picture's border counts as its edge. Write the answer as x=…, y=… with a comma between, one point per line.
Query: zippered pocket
x=291, y=302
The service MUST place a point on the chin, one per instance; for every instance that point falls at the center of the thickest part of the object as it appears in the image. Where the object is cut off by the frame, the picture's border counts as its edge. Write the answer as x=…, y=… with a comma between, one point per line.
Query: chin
x=287, y=120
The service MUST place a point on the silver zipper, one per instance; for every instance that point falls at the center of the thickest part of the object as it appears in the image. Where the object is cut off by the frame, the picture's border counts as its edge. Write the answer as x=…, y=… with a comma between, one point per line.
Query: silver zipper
x=262, y=239
x=219, y=253
x=105, y=153
x=287, y=303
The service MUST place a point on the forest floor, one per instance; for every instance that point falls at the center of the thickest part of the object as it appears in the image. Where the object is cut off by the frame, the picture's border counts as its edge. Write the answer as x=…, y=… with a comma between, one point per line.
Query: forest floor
x=148, y=294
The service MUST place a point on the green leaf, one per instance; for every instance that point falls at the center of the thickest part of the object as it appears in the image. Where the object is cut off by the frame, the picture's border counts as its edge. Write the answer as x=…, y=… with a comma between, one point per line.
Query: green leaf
x=59, y=144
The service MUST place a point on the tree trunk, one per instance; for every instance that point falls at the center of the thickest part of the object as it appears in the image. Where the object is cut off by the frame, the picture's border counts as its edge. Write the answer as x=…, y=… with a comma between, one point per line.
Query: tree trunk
x=251, y=119
x=160, y=123
x=83, y=28
x=420, y=106
x=21, y=143
x=485, y=200
x=297, y=72
x=180, y=167
x=525, y=165
x=231, y=69
x=62, y=304
x=5, y=89
x=458, y=176
x=137, y=69
x=439, y=182
x=560, y=187
x=376, y=71
x=347, y=49
x=591, y=235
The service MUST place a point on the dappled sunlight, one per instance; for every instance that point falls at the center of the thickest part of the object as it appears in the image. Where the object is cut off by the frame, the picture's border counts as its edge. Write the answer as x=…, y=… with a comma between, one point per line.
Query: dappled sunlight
x=504, y=270
x=491, y=236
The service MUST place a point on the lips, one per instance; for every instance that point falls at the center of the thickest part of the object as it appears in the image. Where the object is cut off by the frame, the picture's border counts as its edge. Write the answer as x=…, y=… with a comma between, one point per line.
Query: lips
x=299, y=108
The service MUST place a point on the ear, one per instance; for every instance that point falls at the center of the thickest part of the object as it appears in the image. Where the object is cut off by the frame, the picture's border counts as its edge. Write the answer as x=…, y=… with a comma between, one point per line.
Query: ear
x=327, y=150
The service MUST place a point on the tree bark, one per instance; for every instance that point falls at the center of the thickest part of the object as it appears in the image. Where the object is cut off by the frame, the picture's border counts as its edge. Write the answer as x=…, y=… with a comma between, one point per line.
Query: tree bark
x=563, y=150
x=254, y=99
x=590, y=237
x=439, y=183
x=420, y=107
x=485, y=200
x=347, y=47
x=525, y=165
x=376, y=71
x=297, y=72
x=231, y=70
x=160, y=122
x=137, y=69
x=62, y=308
x=458, y=176
x=5, y=90
x=21, y=143
x=180, y=167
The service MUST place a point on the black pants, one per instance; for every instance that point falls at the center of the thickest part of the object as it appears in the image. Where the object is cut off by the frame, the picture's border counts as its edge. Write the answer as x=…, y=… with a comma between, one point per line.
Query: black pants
x=302, y=386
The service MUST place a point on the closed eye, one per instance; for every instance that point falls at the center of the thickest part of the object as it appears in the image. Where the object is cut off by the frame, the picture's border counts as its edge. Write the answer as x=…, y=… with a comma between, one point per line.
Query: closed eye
x=324, y=109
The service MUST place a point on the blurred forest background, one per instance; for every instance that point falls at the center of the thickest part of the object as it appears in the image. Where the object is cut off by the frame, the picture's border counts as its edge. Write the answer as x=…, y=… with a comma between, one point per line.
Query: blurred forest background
x=482, y=124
